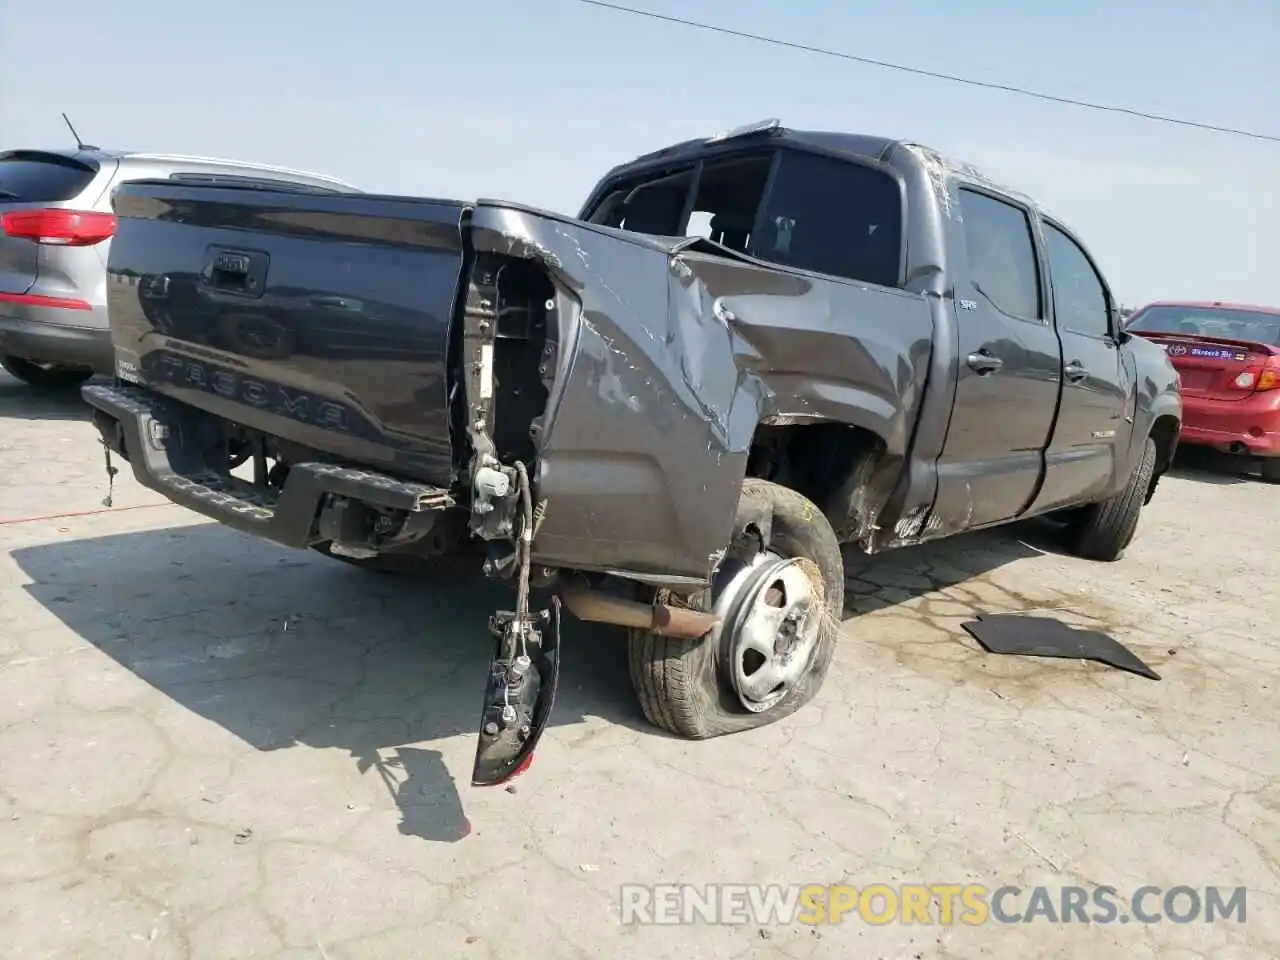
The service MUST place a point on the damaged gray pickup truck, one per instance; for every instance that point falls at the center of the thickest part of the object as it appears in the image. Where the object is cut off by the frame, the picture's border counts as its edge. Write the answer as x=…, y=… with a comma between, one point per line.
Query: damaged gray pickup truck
x=744, y=354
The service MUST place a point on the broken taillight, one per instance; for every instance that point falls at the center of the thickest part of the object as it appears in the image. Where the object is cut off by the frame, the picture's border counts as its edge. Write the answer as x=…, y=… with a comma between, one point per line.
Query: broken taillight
x=60, y=228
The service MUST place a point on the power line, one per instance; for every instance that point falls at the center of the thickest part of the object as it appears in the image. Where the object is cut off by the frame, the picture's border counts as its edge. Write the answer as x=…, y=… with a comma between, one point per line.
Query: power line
x=952, y=78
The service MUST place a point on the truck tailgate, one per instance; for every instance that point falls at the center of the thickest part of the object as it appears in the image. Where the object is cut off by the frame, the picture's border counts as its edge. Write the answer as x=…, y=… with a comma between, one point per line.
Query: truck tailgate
x=320, y=319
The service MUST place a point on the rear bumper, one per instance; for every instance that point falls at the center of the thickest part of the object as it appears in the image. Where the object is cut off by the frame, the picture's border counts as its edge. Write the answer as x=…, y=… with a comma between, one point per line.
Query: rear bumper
x=42, y=341
x=165, y=444
x=1250, y=426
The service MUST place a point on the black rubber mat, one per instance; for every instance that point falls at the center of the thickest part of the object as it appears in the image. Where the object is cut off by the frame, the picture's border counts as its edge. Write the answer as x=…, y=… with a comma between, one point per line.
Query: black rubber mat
x=1045, y=637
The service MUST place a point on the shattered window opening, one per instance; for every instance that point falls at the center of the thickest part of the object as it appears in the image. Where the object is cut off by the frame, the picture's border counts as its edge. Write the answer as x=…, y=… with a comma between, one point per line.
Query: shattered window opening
x=821, y=213
x=729, y=196
x=652, y=205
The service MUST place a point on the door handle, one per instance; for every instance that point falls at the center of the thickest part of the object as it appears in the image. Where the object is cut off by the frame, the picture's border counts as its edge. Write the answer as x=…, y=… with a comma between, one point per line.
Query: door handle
x=1074, y=371
x=984, y=363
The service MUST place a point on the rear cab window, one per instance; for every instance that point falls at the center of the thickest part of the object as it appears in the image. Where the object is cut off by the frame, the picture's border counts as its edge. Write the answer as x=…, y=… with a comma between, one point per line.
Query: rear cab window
x=29, y=177
x=788, y=206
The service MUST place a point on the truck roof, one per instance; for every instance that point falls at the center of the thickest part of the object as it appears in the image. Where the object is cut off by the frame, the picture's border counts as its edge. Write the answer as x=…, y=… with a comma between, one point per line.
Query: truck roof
x=856, y=145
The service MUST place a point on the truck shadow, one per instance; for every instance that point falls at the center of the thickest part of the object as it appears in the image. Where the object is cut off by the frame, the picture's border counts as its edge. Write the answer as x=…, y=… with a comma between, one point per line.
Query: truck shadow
x=18, y=401
x=1209, y=466
x=901, y=575
x=283, y=648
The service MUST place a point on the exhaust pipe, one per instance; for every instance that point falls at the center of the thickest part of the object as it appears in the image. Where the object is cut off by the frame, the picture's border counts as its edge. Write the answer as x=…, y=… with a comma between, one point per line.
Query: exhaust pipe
x=668, y=621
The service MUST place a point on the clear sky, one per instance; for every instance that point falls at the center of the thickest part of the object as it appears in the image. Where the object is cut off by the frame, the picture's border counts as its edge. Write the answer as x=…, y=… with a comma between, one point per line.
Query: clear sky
x=534, y=100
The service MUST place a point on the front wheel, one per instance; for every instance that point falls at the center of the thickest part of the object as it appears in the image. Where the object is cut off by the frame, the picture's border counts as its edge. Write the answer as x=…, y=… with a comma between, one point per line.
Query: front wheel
x=1103, y=530
x=780, y=595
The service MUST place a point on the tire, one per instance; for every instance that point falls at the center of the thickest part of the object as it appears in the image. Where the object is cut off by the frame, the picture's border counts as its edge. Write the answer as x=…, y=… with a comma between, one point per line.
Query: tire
x=449, y=567
x=682, y=685
x=1270, y=467
x=45, y=377
x=1104, y=530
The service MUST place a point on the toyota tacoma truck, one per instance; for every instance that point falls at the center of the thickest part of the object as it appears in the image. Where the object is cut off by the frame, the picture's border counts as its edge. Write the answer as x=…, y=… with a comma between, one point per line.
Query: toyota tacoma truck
x=745, y=356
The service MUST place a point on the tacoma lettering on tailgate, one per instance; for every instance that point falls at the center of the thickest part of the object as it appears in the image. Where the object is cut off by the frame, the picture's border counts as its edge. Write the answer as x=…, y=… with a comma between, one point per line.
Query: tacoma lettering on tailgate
x=298, y=405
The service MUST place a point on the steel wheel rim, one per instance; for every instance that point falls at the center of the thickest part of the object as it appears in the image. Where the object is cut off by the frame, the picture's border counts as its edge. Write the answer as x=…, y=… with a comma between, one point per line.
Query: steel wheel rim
x=771, y=617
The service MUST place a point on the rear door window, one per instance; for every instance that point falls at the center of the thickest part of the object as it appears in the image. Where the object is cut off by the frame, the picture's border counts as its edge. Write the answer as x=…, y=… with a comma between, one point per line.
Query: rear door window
x=1002, y=255
x=833, y=216
x=43, y=178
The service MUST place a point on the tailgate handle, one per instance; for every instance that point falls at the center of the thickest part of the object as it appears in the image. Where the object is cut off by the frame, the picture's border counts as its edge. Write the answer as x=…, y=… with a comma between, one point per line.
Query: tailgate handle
x=233, y=263
x=242, y=272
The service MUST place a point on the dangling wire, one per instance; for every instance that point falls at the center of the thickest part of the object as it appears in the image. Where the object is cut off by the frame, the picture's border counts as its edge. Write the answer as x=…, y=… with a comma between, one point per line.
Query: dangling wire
x=109, y=499
x=524, y=553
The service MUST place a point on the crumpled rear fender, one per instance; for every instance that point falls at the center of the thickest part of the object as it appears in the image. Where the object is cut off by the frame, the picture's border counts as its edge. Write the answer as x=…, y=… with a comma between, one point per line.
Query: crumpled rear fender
x=672, y=353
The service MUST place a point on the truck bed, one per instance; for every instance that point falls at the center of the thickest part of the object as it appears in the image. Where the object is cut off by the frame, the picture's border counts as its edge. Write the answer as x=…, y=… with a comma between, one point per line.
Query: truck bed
x=322, y=320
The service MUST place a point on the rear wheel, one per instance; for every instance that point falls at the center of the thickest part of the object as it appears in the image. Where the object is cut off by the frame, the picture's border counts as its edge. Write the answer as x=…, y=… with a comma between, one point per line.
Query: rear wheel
x=1270, y=469
x=780, y=595
x=1103, y=530
x=45, y=376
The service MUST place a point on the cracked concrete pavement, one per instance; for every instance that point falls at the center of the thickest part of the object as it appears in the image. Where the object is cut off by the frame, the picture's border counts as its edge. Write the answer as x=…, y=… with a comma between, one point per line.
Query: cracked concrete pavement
x=214, y=748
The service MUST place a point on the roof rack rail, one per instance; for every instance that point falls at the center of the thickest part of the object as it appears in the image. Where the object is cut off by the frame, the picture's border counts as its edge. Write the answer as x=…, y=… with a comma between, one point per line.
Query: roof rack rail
x=242, y=164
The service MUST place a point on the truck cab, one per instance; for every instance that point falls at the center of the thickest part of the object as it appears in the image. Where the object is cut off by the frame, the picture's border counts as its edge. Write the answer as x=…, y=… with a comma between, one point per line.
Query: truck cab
x=1039, y=403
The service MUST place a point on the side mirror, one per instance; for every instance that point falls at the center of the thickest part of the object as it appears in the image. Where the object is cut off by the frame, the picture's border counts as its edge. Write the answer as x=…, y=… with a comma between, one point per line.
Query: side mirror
x=1116, y=323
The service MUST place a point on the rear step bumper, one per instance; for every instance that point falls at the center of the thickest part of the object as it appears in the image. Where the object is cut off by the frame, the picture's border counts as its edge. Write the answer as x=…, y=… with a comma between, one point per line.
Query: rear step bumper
x=161, y=441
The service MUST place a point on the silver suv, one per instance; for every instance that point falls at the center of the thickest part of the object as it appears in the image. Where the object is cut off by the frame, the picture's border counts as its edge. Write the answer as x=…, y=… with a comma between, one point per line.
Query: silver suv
x=56, y=225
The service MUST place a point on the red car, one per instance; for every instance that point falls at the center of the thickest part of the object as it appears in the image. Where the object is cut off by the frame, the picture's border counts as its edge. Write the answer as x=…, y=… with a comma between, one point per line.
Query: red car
x=1228, y=358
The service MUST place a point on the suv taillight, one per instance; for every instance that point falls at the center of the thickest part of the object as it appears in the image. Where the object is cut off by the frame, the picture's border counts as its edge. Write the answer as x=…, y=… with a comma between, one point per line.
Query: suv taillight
x=60, y=228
